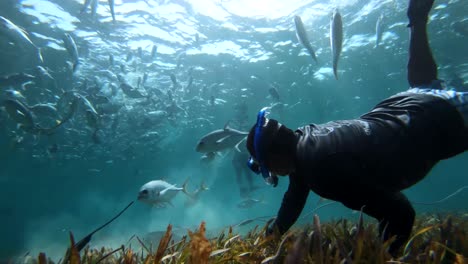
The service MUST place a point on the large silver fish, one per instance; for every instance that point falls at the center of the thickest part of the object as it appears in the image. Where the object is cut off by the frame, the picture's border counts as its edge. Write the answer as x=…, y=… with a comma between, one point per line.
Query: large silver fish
x=221, y=139
x=336, y=39
x=70, y=45
x=18, y=36
x=159, y=193
x=378, y=31
x=302, y=36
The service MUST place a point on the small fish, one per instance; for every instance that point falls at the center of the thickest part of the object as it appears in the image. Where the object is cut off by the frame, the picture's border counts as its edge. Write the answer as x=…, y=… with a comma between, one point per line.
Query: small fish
x=378, y=31
x=94, y=5
x=131, y=92
x=221, y=139
x=129, y=56
x=195, y=196
x=85, y=6
x=145, y=77
x=159, y=193
x=111, y=60
x=336, y=39
x=45, y=80
x=16, y=79
x=175, y=84
x=248, y=203
x=43, y=109
x=140, y=52
x=18, y=36
x=301, y=34
x=70, y=45
x=153, y=51
x=111, y=7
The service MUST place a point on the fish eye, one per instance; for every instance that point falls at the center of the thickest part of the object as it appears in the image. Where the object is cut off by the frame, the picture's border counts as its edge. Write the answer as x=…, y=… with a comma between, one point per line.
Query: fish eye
x=144, y=192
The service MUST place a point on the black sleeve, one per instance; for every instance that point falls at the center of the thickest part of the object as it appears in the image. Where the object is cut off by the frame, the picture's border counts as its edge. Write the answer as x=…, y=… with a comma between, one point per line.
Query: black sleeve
x=393, y=211
x=293, y=202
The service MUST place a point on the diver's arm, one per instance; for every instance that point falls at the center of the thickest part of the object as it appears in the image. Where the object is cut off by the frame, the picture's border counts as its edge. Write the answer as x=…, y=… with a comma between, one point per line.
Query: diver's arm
x=293, y=202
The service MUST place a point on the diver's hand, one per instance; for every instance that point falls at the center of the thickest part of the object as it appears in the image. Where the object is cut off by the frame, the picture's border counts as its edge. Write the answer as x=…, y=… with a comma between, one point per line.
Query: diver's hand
x=272, y=228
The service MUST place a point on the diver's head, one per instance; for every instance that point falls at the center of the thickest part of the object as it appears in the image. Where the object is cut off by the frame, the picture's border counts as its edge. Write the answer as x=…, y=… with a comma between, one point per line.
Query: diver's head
x=272, y=147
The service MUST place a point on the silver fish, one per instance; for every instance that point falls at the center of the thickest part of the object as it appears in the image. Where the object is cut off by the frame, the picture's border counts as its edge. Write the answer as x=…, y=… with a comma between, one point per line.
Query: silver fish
x=20, y=113
x=221, y=139
x=301, y=34
x=378, y=31
x=70, y=45
x=248, y=203
x=336, y=39
x=131, y=92
x=18, y=36
x=159, y=193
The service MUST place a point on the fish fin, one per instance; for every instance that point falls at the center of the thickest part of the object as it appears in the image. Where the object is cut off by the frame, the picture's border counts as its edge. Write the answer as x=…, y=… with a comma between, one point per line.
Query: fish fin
x=184, y=189
x=236, y=147
x=222, y=139
x=226, y=126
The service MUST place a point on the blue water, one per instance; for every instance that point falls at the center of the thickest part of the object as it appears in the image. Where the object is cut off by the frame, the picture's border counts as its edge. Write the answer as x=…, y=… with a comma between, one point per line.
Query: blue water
x=51, y=185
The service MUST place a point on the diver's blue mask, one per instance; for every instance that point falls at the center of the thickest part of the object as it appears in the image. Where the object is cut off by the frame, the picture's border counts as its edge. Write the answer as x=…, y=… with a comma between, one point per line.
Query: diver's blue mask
x=258, y=166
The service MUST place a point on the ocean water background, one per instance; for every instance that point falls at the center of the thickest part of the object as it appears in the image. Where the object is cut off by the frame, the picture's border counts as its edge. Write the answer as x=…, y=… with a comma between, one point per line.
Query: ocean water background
x=243, y=49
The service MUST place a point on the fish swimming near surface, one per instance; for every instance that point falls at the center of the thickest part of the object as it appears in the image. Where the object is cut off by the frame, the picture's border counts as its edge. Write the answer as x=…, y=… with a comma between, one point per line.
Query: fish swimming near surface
x=160, y=193
x=85, y=6
x=94, y=5
x=378, y=31
x=18, y=36
x=70, y=46
x=131, y=92
x=301, y=34
x=154, y=49
x=336, y=39
x=111, y=7
x=220, y=139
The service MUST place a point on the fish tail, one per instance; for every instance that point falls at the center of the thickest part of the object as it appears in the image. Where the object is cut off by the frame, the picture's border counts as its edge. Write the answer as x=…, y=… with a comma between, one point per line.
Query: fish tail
x=184, y=188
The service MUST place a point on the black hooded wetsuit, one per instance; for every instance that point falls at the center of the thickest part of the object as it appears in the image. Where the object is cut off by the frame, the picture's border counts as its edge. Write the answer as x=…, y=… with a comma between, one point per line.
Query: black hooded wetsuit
x=369, y=160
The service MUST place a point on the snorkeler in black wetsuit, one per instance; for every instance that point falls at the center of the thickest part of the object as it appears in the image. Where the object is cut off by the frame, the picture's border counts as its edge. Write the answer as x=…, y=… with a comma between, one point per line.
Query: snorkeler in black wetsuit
x=366, y=162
